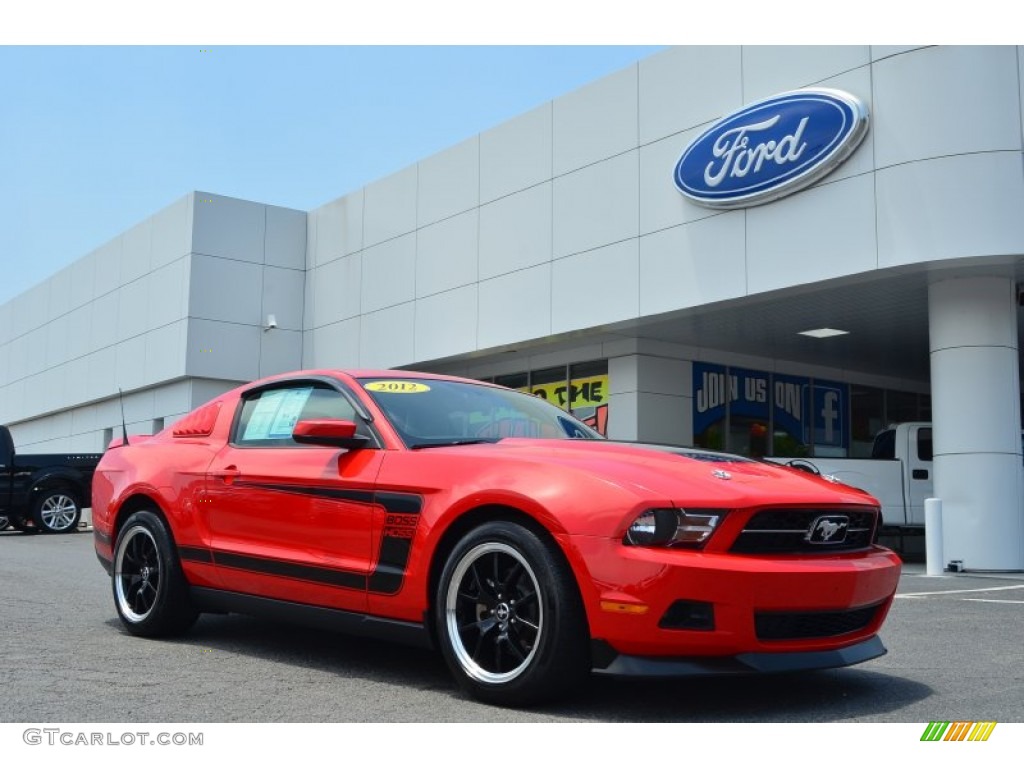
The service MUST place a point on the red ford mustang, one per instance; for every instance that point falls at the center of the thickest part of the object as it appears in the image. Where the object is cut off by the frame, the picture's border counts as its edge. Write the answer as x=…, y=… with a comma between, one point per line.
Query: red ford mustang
x=488, y=523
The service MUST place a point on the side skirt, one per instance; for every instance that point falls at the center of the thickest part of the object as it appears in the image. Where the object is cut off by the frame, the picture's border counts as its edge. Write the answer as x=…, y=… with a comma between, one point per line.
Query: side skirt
x=313, y=616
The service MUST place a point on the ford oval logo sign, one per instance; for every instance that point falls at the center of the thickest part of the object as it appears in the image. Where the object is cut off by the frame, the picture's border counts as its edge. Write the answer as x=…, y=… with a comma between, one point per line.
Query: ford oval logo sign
x=772, y=148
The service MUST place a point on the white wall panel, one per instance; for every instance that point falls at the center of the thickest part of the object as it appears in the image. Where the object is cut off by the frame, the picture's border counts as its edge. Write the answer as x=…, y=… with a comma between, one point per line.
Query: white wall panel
x=771, y=69
x=108, y=267
x=83, y=420
x=597, y=287
x=597, y=205
x=446, y=323
x=596, y=122
x=280, y=352
x=815, y=235
x=449, y=182
x=172, y=398
x=446, y=254
x=130, y=363
x=337, y=288
x=389, y=273
x=60, y=295
x=79, y=329
x=5, y=327
x=389, y=207
x=35, y=350
x=165, y=353
x=229, y=228
x=515, y=307
x=283, y=297
x=661, y=204
x=951, y=207
x=946, y=101
x=339, y=228
x=104, y=324
x=133, y=309
x=516, y=154
x=515, y=231
x=17, y=359
x=386, y=337
x=136, y=251
x=34, y=311
x=83, y=280
x=885, y=51
x=167, y=294
x=687, y=86
x=172, y=232
x=335, y=345
x=286, y=238
x=56, y=341
x=220, y=350
x=693, y=264
x=209, y=299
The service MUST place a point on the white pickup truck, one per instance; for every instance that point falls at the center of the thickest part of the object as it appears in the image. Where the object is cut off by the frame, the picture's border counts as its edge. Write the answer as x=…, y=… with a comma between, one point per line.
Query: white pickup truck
x=898, y=474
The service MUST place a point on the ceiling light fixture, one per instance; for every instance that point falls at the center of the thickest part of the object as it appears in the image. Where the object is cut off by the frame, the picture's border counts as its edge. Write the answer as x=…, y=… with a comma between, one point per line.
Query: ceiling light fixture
x=823, y=333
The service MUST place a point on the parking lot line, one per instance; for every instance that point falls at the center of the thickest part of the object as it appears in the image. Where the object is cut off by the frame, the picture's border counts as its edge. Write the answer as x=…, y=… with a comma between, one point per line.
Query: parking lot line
x=959, y=591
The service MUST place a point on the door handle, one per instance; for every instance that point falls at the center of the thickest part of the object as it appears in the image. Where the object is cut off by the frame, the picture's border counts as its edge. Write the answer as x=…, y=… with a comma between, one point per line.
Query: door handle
x=227, y=474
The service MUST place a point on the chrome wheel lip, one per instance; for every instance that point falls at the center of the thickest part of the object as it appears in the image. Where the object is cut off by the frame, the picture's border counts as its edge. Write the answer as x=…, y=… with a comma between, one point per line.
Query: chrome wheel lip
x=462, y=654
x=58, y=512
x=122, y=577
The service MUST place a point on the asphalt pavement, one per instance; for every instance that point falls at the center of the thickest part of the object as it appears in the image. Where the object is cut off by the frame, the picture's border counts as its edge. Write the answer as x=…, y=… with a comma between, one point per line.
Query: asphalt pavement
x=956, y=652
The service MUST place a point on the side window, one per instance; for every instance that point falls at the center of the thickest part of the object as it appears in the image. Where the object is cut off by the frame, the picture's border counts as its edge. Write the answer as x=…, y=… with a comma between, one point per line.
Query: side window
x=268, y=417
x=924, y=444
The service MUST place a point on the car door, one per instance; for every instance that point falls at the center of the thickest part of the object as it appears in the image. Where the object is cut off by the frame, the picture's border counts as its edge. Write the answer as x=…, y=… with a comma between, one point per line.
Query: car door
x=289, y=521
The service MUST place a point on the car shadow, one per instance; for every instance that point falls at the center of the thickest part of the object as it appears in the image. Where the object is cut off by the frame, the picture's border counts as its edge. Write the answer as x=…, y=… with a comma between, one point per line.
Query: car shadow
x=851, y=694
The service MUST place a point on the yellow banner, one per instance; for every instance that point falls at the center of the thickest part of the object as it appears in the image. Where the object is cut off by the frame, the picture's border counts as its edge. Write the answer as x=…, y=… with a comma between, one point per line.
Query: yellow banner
x=584, y=392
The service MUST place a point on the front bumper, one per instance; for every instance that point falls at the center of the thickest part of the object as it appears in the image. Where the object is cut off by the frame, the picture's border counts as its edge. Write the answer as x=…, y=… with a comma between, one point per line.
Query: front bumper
x=620, y=665
x=753, y=602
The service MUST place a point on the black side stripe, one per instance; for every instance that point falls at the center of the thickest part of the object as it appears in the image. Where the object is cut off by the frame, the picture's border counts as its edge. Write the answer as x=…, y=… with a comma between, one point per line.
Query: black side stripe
x=196, y=554
x=363, y=497
x=330, y=576
x=395, y=544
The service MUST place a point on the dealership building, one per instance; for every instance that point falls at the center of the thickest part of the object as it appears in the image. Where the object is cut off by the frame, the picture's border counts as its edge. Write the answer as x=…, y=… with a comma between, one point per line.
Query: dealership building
x=792, y=306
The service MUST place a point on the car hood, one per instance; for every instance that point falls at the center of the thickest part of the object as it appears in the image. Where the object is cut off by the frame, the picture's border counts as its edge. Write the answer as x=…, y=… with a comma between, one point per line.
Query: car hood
x=672, y=474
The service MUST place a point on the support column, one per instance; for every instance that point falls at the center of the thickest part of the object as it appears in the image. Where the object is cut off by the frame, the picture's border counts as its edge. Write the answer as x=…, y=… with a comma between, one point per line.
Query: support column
x=976, y=416
x=651, y=399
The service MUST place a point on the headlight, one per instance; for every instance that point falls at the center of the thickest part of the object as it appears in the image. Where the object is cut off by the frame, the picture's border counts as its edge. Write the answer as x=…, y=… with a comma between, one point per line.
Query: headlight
x=673, y=527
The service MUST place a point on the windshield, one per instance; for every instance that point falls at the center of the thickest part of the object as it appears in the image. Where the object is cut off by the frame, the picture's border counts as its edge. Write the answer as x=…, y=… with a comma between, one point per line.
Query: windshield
x=427, y=412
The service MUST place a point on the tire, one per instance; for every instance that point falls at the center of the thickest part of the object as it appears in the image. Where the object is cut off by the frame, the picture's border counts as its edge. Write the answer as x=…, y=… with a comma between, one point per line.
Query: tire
x=150, y=591
x=4, y=522
x=23, y=525
x=509, y=618
x=56, y=510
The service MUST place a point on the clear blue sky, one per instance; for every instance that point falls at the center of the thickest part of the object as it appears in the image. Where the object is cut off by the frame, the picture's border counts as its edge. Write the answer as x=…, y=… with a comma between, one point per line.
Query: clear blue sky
x=95, y=139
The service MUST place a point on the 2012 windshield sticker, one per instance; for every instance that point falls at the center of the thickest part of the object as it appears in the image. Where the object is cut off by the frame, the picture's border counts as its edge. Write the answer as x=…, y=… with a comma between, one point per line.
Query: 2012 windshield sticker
x=397, y=387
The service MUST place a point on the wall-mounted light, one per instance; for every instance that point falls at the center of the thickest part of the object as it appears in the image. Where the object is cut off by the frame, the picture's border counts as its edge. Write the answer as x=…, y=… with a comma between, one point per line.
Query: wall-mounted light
x=271, y=323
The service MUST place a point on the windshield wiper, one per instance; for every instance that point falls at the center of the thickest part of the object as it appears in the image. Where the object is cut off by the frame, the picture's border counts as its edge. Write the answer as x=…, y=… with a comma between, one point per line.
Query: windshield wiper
x=446, y=443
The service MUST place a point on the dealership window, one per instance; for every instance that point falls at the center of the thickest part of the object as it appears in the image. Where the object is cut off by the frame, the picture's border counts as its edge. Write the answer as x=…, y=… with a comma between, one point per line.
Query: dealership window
x=867, y=419
x=581, y=389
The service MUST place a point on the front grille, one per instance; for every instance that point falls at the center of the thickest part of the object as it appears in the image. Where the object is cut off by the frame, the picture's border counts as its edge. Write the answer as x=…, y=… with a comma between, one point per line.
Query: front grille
x=803, y=626
x=788, y=531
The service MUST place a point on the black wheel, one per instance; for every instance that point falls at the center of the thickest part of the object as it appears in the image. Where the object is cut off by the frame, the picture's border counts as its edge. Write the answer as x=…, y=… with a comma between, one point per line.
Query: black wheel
x=150, y=591
x=509, y=617
x=4, y=522
x=56, y=510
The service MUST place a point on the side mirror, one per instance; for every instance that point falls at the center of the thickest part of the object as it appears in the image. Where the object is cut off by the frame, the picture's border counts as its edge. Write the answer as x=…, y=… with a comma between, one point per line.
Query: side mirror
x=333, y=432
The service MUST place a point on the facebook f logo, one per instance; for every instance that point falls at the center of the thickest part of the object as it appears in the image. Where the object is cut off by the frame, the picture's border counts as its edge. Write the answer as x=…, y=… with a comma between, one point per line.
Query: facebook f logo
x=829, y=417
